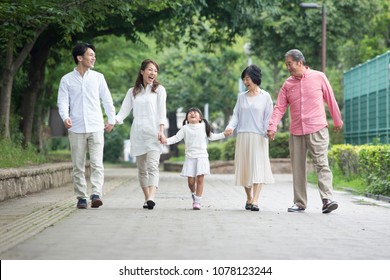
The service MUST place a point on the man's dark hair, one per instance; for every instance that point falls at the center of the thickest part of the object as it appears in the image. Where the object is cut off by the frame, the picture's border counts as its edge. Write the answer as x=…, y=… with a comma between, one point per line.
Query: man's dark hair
x=80, y=49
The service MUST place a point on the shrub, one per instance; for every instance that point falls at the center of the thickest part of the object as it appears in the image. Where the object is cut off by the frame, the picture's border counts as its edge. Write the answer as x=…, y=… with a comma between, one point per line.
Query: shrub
x=59, y=143
x=229, y=149
x=279, y=147
x=214, y=153
x=368, y=162
x=181, y=150
x=113, y=146
x=345, y=158
x=375, y=163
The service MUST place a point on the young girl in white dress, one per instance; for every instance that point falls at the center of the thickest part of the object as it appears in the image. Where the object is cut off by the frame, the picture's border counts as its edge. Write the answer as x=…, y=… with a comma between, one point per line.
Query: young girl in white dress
x=196, y=132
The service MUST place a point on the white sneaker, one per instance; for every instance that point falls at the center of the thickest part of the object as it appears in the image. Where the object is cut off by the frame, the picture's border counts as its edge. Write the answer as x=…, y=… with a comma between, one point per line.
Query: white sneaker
x=196, y=205
x=295, y=208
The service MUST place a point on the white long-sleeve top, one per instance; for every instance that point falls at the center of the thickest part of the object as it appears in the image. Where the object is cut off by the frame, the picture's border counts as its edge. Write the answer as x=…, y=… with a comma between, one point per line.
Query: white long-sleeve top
x=79, y=99
x=195, y=139
x=252, y=117
x=149, y=111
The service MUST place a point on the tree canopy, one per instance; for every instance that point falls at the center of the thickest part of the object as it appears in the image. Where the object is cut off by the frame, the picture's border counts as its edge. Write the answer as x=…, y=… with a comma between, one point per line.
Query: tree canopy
x=192, y=39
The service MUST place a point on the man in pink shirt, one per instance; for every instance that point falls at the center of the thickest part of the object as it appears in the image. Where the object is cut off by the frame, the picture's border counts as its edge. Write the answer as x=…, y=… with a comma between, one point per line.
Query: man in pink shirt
x=306, y=91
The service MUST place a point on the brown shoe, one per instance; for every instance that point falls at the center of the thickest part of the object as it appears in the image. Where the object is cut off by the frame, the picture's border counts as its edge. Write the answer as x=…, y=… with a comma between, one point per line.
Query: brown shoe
x=329, y=206
x=96, y=202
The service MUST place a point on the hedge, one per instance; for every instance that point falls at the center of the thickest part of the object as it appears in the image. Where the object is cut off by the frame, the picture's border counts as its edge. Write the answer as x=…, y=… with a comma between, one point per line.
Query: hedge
x=369, y=162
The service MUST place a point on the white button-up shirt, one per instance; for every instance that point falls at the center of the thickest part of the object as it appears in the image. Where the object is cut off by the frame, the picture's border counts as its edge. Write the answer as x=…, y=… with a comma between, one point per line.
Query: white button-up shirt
x=79, y=99
x=149, y=111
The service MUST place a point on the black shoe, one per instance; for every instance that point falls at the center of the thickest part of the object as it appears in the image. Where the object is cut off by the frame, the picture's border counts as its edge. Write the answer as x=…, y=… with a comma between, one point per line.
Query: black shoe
x=145, y=206
x=248, y=206
x=254, y=207
x=96, y=202
x=329, y=206
x=150, y=204
x=82, y=203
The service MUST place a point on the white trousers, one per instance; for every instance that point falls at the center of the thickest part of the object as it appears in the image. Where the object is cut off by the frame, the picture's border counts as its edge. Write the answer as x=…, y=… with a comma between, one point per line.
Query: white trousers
x=80, y=144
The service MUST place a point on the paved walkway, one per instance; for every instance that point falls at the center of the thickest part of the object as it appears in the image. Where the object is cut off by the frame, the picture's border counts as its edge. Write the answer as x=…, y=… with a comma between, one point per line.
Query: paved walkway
x=47, y=226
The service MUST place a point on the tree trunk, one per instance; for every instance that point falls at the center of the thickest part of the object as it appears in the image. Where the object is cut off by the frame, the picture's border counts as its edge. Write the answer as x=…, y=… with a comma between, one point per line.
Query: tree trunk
x=276, y=71
x=36, y=78
x=172, y=131
x=6, y=90
x=226, y=116
x=9, y=72
x=41, y=132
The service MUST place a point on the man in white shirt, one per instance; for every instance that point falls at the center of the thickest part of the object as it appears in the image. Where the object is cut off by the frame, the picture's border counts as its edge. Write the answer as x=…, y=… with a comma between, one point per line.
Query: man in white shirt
x=80, y=95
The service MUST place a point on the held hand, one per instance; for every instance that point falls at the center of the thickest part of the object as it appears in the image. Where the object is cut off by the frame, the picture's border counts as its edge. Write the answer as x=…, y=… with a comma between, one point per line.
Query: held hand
x=108, y=127
x=271, y=135
x=228, y=132
x=161, y=137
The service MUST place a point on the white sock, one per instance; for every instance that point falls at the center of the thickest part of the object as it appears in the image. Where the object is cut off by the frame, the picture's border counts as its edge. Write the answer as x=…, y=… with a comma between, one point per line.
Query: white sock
x=198, y=199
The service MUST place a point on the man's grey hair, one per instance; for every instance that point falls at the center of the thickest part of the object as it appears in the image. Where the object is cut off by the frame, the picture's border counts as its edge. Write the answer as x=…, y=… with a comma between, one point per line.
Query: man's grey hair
x=296, y=55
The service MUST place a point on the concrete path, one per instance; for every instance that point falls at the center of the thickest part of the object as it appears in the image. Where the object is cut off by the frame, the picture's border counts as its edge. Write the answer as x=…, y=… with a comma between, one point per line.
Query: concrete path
x=47, y=226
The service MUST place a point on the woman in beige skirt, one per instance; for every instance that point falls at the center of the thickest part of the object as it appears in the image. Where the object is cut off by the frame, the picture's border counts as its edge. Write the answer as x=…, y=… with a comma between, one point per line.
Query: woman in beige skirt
x=250, y=119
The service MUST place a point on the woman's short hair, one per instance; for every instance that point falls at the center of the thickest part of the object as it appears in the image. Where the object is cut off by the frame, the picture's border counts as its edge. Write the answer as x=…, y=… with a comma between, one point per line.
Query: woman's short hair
x=254, y=72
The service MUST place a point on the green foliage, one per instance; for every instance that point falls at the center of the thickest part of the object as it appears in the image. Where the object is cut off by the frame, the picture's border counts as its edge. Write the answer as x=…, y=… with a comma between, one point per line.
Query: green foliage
x=345, y=158
x=214, y=152
x=279, y=147
x=208, y=21
x=176, y=159
x=113, y=146
x=113, y=143
x=193, y=78
x=59, y=143
x=229, y=149
x=373, y=41
x=370, y=163
x=353, y=183
x=12, y=155
x=375, y=163
x=59, y=156
x=181, y=150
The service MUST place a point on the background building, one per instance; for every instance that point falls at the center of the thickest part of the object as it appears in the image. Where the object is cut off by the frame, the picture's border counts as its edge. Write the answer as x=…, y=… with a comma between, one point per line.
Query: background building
x=367, y=102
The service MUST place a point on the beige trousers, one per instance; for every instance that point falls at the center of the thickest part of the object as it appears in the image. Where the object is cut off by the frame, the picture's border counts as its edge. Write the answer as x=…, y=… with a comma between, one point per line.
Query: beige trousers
x=317, y=143
x=80, y=144
x=148, y=172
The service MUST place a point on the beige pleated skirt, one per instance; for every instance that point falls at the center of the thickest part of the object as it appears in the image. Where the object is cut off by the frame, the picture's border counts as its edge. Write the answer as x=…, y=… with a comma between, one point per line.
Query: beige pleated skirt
x=251, y=161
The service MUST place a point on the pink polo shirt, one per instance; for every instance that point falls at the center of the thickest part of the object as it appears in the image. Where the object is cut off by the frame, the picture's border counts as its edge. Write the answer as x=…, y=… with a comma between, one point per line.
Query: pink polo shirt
x=306, y=96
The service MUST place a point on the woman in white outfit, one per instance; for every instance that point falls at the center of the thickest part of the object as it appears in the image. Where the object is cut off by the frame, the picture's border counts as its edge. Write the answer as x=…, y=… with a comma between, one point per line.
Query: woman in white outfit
x=250, y=119
x=147, y=99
